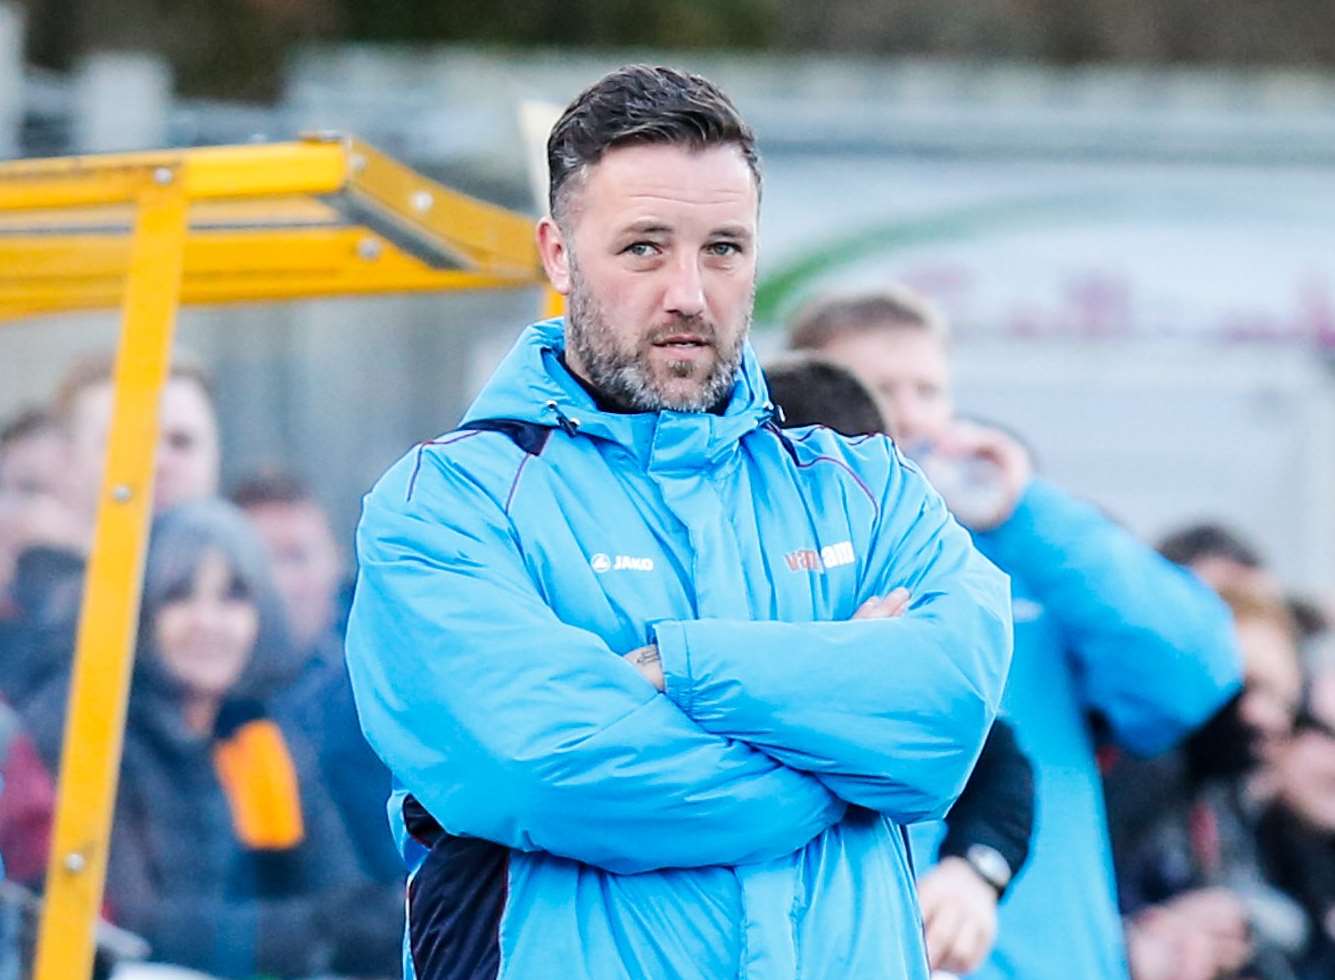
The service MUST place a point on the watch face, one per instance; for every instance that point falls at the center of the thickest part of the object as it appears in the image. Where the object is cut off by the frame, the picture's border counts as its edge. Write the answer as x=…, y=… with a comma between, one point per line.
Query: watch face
x=989, y=863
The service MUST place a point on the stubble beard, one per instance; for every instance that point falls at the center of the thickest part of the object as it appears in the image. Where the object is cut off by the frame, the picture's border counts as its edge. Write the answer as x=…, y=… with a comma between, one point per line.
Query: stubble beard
x=625, y=379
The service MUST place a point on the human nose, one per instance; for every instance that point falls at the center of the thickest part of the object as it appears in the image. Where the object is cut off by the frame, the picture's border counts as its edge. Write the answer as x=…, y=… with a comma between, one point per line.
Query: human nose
x=685, y=290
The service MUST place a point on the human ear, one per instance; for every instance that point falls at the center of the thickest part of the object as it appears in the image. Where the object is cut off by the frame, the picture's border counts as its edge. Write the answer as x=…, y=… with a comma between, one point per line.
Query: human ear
x=555, y=253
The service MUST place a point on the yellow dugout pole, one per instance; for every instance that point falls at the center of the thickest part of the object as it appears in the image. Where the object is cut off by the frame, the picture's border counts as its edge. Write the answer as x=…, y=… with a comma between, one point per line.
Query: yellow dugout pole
x=108, y=622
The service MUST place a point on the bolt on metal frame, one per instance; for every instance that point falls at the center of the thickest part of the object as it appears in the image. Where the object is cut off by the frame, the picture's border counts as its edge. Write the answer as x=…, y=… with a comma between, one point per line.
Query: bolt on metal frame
x=324, y=216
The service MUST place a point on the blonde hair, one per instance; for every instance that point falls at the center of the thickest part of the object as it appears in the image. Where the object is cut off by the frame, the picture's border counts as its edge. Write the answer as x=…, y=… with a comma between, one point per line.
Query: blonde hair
x=894, y=308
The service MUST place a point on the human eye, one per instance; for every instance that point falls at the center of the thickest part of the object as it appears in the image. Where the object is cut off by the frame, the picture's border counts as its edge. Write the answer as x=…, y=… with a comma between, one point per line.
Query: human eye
x=641, y=249
x=723, y=249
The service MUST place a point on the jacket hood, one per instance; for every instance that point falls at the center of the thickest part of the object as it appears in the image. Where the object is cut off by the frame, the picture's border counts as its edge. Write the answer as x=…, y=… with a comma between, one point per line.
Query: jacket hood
x=533, y=385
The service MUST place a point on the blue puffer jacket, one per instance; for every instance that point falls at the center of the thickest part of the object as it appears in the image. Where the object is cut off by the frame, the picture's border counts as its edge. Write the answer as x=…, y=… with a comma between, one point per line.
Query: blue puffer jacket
x=558, y=815
x=1102, y=625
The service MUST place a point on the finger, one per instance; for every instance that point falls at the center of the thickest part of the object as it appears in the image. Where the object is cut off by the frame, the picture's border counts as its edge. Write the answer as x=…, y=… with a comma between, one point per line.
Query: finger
x=941, y=933
x=963, y=956
x=1232, y=954
x=869, y=609
x=896, y=603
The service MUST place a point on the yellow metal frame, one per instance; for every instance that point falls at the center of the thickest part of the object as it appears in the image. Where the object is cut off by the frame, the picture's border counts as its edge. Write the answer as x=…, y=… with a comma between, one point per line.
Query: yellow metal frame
x=321, y=217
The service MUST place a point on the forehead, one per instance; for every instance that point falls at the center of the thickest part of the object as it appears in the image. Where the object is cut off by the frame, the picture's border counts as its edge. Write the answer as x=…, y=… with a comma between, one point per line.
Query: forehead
x=185, y=404
x=182, y=396
x=891, y=352
x=633, y=183
x=297, y=518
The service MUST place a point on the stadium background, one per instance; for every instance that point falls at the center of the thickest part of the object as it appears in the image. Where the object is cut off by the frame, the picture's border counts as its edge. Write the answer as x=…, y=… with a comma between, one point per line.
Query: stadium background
x=1123, y=206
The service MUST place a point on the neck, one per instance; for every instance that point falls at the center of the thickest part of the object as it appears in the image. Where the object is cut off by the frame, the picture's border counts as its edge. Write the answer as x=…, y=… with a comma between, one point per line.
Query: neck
x=201, y=712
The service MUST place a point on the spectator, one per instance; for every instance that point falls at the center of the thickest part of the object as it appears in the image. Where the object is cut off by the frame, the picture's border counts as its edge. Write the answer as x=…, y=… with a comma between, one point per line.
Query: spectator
x=31, y=457
x=226, y=854
x=37, y=534
x=1102, y=624
x=188, y=459
x=49, y=577
x=309, y=575
x=988, y=830
x=1220, y=556
x=1297, y=832
x=1200, y=862
x=308, y=566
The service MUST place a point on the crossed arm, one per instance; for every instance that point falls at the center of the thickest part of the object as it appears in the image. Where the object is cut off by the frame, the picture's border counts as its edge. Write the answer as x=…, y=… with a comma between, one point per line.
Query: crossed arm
x=512, y=726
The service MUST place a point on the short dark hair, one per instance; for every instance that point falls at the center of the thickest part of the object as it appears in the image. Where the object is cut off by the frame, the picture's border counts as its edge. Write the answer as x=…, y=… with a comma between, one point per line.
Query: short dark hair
x=1190, y=544
x=812, y=390
x=638, y=105
x=270, y=487
x=819, y=322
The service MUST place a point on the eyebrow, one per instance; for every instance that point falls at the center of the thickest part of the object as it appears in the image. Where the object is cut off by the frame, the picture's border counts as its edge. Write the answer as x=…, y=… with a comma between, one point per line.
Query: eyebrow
x=732, y=231
x=647, y=226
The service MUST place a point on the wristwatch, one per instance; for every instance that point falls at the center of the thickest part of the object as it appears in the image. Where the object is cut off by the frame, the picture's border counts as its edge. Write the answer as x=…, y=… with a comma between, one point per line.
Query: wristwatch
x=990, y=866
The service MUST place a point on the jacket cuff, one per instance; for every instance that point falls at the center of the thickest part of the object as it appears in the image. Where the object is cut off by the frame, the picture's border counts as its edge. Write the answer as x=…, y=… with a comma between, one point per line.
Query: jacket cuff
x=675, y=656
x=1032, y=513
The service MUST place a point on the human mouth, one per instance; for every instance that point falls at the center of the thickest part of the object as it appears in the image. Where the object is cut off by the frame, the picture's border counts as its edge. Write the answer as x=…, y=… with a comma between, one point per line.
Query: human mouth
x=682, y=341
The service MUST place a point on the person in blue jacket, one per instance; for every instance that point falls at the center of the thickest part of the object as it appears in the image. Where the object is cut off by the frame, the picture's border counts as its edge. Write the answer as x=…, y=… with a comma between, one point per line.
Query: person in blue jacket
x=659, y=683
x=1104, y=627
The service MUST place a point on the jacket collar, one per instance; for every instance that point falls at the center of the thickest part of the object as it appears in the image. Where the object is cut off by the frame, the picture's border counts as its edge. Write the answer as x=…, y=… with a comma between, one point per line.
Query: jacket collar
x=533, y=385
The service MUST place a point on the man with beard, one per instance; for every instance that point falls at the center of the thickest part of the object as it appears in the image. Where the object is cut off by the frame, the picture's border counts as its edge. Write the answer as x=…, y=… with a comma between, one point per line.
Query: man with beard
x=659, y=683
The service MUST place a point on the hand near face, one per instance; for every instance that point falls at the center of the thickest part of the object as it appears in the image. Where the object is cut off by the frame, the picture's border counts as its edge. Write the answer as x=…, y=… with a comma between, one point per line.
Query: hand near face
x=1011, y=461
x=959, y=914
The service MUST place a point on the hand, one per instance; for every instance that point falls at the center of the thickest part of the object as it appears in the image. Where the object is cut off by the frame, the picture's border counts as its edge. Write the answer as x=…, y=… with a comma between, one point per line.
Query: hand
x=648, y=663
x=959, y=914
x=884, y=607
x=1159, y=947
x=1196, y=936
x=1220, y=916
x=1012, y=461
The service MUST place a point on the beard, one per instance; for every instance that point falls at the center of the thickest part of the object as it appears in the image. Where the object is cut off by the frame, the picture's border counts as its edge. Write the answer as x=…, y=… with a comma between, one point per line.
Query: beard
x=621, y=368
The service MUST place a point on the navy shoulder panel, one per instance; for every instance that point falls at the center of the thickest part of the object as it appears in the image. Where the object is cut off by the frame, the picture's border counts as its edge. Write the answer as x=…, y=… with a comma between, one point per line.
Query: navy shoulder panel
x=528, y=436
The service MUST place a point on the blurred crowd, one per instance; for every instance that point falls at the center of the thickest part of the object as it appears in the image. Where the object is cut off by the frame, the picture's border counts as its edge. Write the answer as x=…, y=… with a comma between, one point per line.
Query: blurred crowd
x=1222, y=847
x=250, y=834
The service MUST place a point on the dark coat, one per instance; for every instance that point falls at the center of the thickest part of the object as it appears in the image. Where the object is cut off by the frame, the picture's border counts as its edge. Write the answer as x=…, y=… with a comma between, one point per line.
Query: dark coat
x=179, y=876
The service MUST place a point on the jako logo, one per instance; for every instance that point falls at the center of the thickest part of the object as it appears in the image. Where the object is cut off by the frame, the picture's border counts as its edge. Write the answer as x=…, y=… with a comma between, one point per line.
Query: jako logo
x=624, y=563
x=810, y=560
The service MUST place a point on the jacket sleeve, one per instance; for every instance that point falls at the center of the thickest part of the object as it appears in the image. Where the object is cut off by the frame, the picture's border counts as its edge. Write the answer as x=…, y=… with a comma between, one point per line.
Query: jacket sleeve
x=890, y=713
x=997, y=805
x=510, y=725
x=1152, y=645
